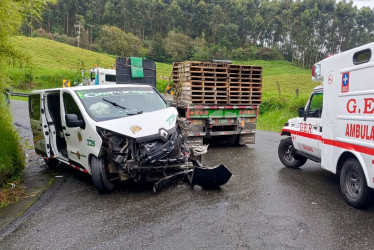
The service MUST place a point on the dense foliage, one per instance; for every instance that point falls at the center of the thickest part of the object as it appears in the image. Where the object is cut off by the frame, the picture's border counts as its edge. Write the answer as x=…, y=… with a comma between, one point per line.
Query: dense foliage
x=300, y=30
x=12, y=15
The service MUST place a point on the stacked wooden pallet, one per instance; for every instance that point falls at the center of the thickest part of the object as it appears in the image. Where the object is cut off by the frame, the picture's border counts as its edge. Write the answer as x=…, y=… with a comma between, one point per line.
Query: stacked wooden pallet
x=210, y=83
x=245, y=84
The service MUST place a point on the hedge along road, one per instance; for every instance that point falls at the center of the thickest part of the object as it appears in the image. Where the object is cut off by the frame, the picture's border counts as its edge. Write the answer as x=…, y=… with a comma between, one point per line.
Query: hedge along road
x=264, y=205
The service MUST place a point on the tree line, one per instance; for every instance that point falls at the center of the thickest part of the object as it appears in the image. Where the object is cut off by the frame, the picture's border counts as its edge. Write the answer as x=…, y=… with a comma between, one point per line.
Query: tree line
x=304, y=31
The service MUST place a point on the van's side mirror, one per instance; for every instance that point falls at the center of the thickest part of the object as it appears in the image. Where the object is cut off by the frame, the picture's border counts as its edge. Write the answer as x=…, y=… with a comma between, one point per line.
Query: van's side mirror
x=72, y=121
x=301, y=112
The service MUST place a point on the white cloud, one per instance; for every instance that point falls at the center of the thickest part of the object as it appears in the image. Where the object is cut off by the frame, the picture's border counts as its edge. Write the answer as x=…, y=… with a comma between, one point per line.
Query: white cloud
x=362, y=3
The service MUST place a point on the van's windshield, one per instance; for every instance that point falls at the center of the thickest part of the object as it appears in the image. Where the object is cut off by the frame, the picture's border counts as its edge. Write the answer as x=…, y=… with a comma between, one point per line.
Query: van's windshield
x=111, y=103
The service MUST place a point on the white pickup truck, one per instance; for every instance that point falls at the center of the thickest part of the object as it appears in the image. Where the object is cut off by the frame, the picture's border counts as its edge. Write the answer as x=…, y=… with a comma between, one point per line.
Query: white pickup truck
x=336, y=127
x=115, y=133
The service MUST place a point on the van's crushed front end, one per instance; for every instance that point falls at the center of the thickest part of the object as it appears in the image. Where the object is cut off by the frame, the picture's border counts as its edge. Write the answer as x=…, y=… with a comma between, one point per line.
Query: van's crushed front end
x=160, y=158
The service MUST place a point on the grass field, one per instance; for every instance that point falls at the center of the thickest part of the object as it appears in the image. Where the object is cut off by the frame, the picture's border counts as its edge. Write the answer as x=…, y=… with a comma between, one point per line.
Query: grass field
x=51, y=62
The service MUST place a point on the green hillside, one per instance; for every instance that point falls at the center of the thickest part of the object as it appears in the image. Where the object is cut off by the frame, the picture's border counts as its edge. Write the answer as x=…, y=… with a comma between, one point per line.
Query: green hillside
x=48, y=55
x=290, y=77
x=51, y=62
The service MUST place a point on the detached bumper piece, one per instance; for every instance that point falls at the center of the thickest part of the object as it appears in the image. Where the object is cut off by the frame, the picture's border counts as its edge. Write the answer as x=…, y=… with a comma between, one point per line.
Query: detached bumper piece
x=207, y=177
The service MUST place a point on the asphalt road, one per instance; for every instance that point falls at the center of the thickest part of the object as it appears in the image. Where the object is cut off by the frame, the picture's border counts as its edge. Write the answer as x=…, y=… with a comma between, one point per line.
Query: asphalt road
x=263, y=206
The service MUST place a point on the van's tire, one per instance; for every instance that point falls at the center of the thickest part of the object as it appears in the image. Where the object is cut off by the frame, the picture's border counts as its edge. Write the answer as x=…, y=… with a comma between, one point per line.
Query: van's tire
x=353, y=184
x=286, y=153
x=52, y=163
x=100, y=175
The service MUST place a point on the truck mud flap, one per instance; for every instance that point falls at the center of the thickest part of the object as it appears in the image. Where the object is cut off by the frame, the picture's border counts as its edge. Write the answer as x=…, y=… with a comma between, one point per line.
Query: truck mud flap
x=209, y=177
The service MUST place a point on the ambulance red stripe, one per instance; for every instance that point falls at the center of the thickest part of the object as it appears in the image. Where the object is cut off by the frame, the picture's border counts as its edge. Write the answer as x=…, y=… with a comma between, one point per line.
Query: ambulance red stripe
x=335, y=143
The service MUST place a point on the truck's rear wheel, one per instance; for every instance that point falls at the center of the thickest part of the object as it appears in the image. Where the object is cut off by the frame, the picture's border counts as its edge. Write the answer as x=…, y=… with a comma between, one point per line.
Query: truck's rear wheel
x=286, y=153
x=100, y=175
x=353, y=184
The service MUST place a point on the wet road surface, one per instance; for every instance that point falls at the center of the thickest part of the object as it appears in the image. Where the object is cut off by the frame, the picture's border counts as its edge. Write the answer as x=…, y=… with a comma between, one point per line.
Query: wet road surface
x=263, y=206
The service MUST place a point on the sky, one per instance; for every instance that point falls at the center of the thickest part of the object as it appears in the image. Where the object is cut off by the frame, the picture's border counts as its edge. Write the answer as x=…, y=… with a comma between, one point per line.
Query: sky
x=362, y=3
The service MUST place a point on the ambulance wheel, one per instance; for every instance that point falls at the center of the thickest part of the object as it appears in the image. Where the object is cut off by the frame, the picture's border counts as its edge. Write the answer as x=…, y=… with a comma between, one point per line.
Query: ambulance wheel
x=353, y=184
x=286, y=153
x=52, y=163
x=100, y=175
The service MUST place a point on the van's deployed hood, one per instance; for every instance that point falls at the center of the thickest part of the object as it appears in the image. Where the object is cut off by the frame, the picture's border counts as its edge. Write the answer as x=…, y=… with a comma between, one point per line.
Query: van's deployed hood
x=142, y=125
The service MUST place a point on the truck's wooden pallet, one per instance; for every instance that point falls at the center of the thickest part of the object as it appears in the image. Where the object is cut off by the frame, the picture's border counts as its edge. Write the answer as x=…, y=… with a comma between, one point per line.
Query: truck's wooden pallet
x=208, y=102
x=250, y=76
x=240, y=102
x=205, y=88
x=244, y=67
x=198, y=63
x=195, y=83
x=200, y=73
x=205, y=78
x=214, y=83
x=188, y=95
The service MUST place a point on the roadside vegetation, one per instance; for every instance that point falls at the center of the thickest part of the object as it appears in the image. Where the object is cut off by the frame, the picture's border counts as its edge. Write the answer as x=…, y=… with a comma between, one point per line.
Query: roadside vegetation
x=12, y=15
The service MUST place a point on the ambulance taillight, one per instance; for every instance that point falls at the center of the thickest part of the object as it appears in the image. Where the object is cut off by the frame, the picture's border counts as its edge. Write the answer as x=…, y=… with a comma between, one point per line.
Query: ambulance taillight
x=316, y=70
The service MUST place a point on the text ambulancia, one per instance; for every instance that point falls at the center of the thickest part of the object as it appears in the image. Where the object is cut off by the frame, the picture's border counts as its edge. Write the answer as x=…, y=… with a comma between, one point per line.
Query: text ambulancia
x=336, y=127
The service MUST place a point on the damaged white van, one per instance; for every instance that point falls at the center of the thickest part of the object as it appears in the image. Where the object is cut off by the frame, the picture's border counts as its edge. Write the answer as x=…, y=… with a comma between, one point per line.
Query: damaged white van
x=116, y=133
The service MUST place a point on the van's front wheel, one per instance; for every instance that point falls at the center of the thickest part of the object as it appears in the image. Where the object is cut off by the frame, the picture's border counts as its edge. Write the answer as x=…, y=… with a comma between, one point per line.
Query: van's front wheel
x=353, y=184
x=100, y=175
x=286, y=153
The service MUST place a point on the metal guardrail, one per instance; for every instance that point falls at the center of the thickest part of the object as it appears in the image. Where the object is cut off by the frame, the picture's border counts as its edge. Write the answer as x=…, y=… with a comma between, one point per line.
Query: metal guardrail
x=18, y=94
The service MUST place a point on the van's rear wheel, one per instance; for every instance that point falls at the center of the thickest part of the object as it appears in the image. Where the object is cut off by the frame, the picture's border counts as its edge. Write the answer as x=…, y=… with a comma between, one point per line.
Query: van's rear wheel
x=353, y=184
x=100, y=175
x=286, y=153
x=52, y=163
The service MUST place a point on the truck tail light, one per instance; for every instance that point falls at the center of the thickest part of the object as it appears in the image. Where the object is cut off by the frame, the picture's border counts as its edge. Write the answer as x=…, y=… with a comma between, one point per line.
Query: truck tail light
x=314, y=71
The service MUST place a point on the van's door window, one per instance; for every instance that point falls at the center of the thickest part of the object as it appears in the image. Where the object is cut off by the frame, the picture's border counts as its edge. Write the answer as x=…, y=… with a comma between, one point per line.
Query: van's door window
x=71, y=107
x=315, y=106
x=34, y=107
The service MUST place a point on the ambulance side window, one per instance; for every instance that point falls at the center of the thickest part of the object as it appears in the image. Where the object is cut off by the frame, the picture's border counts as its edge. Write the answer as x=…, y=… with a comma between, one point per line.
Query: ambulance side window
x=34, y=107
x=71, y=107
x=110, y=78
x=315, y=106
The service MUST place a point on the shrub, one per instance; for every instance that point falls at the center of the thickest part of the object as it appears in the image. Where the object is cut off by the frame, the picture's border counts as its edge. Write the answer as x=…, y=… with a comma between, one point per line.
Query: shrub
x=276, y=110
x=12, y=159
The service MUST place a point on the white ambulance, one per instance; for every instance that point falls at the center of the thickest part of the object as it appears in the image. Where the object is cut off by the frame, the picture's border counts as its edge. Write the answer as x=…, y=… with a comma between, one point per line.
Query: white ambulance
x=101, y=76
x=336, y=127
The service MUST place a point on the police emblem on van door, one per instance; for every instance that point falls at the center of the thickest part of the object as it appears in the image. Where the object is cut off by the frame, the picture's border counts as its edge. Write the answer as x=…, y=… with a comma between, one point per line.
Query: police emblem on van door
x=164, y=134
x=135, y=128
